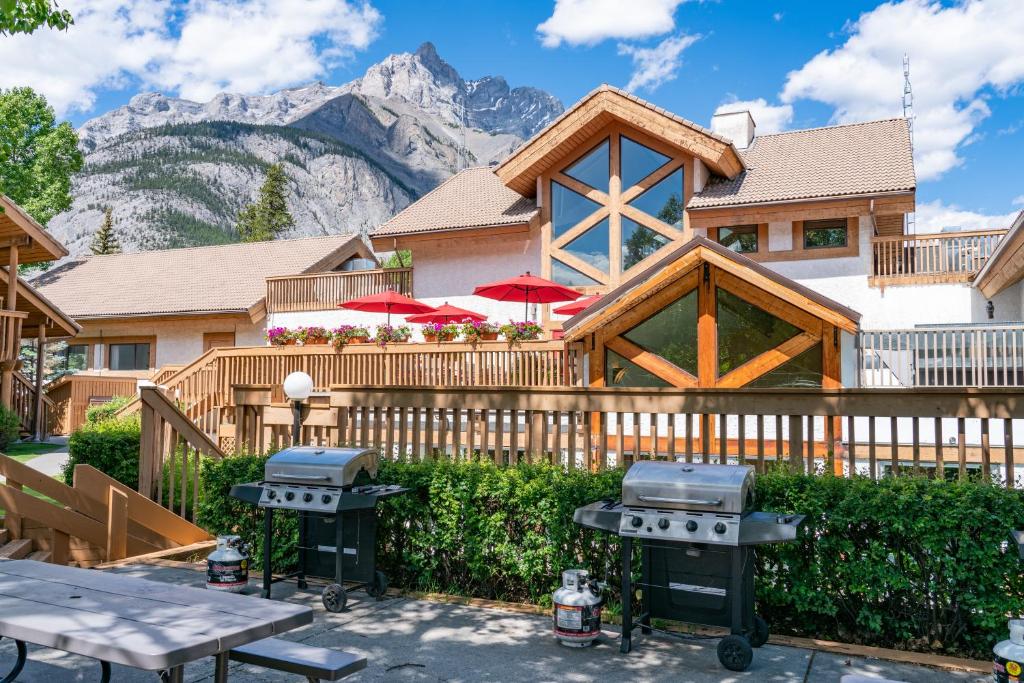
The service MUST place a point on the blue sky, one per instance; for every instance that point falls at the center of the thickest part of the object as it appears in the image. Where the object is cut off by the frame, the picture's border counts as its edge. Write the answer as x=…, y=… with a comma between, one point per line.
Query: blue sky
x=794, y=64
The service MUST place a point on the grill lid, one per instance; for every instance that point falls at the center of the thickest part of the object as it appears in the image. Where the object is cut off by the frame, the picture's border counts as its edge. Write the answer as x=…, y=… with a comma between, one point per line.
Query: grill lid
x=317, y=466
x=689, y=486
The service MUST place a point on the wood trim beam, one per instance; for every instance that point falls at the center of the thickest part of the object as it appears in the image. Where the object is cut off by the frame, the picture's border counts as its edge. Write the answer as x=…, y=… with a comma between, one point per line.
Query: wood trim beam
x=639, y=310
x=575, y=231
x=576, y=186
x=767, y=361
x=772, y=303
x=652, y=363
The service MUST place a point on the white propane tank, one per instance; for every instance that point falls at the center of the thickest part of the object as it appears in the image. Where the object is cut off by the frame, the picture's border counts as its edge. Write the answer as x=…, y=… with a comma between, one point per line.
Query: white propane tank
x=577, y=609
x=1008, y=660
x=227, y=567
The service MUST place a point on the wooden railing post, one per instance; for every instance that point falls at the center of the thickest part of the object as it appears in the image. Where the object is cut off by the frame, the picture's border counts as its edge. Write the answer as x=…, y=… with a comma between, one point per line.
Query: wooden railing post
x=117, y=525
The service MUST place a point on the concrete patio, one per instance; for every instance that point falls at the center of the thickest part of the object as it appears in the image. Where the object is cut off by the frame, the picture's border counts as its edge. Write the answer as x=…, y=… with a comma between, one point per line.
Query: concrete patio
x=414, y=640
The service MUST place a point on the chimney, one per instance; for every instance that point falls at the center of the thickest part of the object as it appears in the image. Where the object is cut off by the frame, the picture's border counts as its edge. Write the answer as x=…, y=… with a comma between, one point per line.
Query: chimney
x=738, y=126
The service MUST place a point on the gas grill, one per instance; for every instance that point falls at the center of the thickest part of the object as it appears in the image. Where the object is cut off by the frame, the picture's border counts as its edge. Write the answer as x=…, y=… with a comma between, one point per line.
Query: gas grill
x=331, y=489
x=695, y=530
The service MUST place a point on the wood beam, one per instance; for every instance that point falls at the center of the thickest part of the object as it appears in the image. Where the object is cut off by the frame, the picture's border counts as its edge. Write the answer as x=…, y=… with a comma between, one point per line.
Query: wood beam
x=767, y=361
x=652, y=363
x=707, y=327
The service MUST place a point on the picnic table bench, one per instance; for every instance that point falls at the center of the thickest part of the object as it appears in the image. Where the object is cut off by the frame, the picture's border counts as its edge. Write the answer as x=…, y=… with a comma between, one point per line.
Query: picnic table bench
x=145, y=624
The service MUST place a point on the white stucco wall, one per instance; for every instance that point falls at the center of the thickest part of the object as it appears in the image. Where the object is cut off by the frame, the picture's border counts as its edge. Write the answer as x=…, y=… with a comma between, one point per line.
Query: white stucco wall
x=177, y=341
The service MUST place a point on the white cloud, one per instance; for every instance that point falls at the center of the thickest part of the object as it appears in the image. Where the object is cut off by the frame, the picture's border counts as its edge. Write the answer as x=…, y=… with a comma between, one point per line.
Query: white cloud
x=1018, y=200
x=769, y=118
x=653, y=66
x=935, y=216
x=248, y=46
x=959, y=55
x=777, y=16
x=588, y=22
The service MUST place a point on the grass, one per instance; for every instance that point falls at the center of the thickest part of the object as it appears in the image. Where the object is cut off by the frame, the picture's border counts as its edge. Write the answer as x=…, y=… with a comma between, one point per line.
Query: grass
x=23, y=452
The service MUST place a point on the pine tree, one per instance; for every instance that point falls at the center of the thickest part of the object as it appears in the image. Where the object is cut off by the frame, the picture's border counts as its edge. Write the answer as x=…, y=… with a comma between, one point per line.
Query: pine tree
x=268, y=216
x=105, y=240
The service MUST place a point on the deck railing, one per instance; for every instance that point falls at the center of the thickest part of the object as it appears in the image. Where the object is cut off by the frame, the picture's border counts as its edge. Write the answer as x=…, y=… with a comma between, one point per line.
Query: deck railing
x=933, y=258
x=324, y=291
x=23, y=397
x=942, y=357
x=10, y=334
x=866, y=431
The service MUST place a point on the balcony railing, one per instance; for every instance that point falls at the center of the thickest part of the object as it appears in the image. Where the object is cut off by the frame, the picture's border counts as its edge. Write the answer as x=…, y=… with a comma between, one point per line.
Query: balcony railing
x=929, y=259
x=324, y=291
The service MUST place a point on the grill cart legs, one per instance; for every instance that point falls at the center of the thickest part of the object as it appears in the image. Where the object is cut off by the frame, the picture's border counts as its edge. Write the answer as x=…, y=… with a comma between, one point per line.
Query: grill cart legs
x=268, y=541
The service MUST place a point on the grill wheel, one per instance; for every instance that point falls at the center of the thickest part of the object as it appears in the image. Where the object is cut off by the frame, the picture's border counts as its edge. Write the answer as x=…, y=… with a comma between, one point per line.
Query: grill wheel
x=735, y=653
x=760, y=635
x=334, y=598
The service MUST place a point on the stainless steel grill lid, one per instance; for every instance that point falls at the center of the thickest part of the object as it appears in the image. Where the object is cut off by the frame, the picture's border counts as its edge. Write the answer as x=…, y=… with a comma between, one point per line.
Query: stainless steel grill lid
x=689, y=486
x=317, y=466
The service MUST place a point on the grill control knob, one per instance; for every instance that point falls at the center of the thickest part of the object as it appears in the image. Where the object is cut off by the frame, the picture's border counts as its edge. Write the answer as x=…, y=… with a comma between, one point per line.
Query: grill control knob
x=326, y=498
x=271, y=494
x=720, y=528
x=289, y=495
x=663, y=523
x=307, y=497
x=691, y=526
x=637, y=521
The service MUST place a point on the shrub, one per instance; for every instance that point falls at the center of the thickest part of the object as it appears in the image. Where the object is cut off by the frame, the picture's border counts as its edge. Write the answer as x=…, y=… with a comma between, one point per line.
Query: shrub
x=105, y=411
x=521, y=331
x=111, y=446
x=10, y=427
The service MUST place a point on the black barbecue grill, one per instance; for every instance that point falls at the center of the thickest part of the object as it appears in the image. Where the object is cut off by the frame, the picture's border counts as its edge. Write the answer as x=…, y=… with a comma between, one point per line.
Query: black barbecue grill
x=332, y=491
x=696, y=533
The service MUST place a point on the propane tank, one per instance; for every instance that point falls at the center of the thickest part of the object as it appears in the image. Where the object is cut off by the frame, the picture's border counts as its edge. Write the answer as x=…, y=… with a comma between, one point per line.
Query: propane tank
x=1008, y=660
x=577, y=609
x=227, y=567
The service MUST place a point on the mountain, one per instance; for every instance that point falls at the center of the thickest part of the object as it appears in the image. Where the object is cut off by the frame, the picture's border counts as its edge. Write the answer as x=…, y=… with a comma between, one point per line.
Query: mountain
x=176, y=172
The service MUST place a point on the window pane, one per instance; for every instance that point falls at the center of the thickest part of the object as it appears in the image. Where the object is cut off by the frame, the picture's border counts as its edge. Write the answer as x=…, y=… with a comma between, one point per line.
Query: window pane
x=638, y=162
x=75, y=357
x=129, y=356
x=739, y=238
x=638, y=242
x=802, y=371
x=142, y=356
x=568, y=208
x=567, y=275
x=746, y=331
x=592, y=246
x=664, y=201
x=671, y=333
x=824, y=234
x=592, y=169
x=622, y=372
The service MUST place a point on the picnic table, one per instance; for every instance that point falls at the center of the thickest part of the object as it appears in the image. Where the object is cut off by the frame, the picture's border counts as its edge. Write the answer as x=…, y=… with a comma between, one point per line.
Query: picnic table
x=118, y=619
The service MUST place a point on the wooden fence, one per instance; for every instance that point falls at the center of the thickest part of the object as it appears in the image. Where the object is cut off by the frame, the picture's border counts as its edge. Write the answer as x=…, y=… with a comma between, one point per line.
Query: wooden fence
x=942, y=356
x=71, y=396
x=867, y=431
x=932, y=258
x=324, y=291
x=96, y=520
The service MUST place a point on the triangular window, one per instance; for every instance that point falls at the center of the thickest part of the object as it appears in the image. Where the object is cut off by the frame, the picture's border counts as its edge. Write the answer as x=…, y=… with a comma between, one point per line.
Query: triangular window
x=569, y=276
x=622, y=372
x=638, y=242
x=745, y=331
x=568, y=208
x=592, y=246
x=638, y=162
x=664, y=201
x=671, y=333
x=592, y=169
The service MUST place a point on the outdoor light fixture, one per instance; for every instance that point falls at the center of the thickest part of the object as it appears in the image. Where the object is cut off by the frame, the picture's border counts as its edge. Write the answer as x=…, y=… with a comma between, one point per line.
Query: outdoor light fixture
x=297, y=387
x=990, y=308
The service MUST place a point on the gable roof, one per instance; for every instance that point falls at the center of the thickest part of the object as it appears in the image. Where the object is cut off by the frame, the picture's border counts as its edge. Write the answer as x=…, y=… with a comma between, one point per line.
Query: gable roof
x=697, y=250
x=600, y=107
x=834, y=161
x=36, y=244
x=1005, y=266
x=219, y=279
x=472, y=198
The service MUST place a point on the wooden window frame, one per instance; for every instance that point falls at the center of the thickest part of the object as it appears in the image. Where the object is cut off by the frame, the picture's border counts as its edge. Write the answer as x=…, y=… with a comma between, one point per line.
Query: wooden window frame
x=109, y=342
x=90, y=351
x=754, y=227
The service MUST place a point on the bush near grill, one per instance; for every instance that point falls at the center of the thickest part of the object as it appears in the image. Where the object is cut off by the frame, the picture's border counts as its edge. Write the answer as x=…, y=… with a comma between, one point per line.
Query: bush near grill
x=904, y=562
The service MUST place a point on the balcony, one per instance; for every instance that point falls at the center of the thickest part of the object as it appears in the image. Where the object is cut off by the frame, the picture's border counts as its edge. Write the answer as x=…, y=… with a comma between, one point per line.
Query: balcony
x=324, y=291
x=931, y=259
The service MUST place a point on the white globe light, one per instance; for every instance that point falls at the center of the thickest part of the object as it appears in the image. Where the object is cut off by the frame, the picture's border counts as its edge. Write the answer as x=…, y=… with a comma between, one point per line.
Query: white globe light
x=298, y=386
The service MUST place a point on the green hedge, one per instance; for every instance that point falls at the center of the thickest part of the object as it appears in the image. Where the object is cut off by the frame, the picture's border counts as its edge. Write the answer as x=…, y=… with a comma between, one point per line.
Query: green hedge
x=904, y=562
x=111, y=446
x=105, y=411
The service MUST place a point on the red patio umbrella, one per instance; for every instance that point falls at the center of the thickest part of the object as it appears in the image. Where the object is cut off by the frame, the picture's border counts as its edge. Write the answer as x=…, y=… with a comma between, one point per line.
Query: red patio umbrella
x=387, y=302
x=576, y=306
x=529, y=289
x=446, y=313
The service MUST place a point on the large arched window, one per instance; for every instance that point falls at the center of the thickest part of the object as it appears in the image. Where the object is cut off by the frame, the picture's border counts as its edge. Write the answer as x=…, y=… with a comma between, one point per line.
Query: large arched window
x=613, y=208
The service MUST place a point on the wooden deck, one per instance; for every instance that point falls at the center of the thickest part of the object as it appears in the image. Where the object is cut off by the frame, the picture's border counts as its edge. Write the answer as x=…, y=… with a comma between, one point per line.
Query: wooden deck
x=937, y=258
x=324, y=291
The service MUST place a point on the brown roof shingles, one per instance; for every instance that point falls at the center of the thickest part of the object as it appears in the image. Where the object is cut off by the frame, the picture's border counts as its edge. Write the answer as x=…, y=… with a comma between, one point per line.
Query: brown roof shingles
x=471, y=198
x=228, y=278
x=835, y=161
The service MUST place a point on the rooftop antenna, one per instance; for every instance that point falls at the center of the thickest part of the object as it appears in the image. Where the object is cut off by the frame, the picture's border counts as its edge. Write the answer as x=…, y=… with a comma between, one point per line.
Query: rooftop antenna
x=908, y=113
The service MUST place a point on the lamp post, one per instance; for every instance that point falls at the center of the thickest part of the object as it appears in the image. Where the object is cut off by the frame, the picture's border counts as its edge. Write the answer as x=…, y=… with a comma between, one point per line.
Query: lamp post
x=297, y=387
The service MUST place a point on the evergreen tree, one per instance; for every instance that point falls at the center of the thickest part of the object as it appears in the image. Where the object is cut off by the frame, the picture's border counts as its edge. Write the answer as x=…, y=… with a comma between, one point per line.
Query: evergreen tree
x=268, y=216
x=105, y=241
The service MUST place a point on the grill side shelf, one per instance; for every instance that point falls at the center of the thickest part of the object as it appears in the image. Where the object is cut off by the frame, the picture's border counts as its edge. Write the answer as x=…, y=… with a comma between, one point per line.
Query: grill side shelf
x=769, y=527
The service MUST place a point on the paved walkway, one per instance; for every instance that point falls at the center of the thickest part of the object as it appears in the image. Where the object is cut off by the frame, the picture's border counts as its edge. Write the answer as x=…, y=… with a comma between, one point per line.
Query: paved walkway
x=52, y=463
x=413, y=640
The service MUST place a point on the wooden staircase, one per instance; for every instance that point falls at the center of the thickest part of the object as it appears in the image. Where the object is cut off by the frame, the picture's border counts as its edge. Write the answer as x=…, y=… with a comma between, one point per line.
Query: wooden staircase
x=97, y=520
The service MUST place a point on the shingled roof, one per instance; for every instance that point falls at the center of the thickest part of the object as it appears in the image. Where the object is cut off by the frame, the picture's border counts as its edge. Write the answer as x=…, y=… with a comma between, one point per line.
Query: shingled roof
x=217, y=279
x=471, y=198
x=835, y=161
